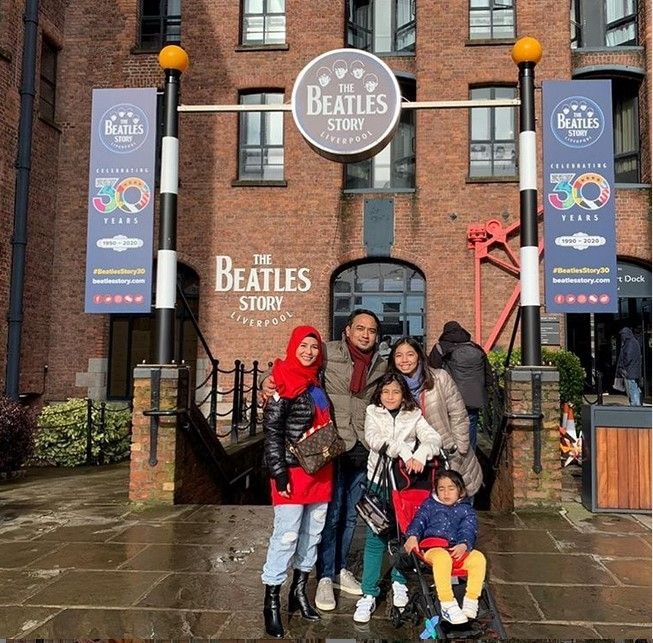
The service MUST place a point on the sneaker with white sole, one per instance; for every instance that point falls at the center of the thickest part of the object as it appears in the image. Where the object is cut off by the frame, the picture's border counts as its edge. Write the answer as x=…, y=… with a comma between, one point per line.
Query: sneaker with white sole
x=399, y=594
x=364, y=609
x=324, y=598
x=470, y=607
x=451, y=612
x=347, y=583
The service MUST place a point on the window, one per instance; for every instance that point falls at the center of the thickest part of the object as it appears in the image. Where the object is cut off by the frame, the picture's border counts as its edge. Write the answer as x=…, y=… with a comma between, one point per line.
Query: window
x=48, y=85
x=626, y=130
x=381, y=26
x=604, y=23
x=160, y=23
x=620, y=22
x=394, y=166
x=264, y=22
x=491, y=19
x=261, y=140
x=394, y=291
x=492, y=140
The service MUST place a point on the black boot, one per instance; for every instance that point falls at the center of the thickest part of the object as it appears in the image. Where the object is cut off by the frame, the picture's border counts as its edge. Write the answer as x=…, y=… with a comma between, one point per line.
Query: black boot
x=272, y=611
x=297, y=599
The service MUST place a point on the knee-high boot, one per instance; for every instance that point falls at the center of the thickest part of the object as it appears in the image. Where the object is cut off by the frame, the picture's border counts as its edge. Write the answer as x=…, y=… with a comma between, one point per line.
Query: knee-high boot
x=297, y=599
x=272, y=611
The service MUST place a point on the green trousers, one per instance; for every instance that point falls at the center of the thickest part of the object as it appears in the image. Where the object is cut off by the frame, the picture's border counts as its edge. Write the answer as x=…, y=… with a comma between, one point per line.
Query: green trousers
x=375, y=549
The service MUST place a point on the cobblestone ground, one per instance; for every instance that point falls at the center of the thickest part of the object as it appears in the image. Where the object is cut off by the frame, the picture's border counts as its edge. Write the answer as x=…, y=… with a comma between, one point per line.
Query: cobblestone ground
x=78, y=561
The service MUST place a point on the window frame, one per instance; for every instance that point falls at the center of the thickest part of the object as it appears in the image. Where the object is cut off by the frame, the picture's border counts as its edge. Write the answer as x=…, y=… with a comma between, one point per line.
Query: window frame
x=492, y=141
x=635, y=154
x=626, y=19
x=169, y=26
x=47, y=107
x=351, y=26
x=491, y=8
x=244, y=42
x=404, y=292
x=408, y=86
x=242, y=145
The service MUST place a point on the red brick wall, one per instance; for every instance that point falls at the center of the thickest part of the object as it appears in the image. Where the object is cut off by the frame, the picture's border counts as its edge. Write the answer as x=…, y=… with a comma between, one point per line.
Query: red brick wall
x=309, y=223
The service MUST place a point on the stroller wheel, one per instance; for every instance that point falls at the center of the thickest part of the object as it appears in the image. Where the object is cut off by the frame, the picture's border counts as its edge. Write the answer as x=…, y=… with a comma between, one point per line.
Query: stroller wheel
x=397, y=617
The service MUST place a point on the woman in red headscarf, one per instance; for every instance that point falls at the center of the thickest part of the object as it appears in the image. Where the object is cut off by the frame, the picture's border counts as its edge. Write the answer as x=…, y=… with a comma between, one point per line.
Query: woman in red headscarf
x=300, y=499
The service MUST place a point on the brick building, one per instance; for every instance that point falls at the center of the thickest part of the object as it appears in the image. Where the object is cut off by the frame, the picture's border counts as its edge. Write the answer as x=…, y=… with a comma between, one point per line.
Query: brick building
x=389, y=234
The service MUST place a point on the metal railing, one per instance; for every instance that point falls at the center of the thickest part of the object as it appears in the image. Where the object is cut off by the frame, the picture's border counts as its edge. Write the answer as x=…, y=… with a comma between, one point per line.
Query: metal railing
x=243, y=389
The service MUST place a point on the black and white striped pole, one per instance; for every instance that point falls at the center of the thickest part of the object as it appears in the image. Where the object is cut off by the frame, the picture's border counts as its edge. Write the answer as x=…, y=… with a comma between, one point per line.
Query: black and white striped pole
x=173, y=60
x=526, y=53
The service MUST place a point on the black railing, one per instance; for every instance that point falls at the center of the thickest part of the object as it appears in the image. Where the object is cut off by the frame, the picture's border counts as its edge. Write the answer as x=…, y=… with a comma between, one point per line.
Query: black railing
x=244, y=409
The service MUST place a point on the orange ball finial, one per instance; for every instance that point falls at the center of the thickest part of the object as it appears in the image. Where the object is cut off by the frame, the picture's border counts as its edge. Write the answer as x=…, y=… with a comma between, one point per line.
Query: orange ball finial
x=527, y=49
x=173, y=57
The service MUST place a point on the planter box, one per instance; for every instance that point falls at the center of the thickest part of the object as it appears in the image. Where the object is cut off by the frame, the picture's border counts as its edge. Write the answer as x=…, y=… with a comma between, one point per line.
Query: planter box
x=617, y=459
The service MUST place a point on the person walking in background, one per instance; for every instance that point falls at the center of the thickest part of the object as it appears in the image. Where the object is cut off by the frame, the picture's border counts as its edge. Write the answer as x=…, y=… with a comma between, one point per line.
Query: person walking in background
x=469, y=367
x=299, y=498
x=384, y=346
x=629, y=365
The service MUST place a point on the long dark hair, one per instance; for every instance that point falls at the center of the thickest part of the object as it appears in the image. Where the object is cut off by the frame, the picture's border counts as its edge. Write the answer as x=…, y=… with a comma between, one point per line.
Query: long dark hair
x=408, y=402
x=422, y=360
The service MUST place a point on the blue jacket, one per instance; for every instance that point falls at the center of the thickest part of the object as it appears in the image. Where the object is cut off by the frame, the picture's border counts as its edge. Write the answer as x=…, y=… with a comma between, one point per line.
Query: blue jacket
x=629, y=362
x=457, y=523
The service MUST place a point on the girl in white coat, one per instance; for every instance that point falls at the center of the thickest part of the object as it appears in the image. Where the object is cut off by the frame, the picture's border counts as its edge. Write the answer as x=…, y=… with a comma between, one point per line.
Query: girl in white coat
x=394, y=421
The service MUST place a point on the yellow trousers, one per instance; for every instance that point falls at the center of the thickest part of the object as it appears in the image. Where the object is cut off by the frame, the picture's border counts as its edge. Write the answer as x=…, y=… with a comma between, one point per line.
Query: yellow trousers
x=442, y=564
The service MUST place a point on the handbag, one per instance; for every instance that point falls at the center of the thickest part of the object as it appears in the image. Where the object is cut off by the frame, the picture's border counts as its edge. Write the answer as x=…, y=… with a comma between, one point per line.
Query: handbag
x=619, y=384
x=373, y=507
x=317, y=447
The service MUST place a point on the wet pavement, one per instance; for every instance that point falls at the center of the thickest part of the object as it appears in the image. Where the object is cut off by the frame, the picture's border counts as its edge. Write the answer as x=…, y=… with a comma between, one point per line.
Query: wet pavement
x=77, y=560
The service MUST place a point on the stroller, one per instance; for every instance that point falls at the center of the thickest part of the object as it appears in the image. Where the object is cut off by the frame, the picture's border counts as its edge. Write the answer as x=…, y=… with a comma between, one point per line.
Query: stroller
x=407, y=492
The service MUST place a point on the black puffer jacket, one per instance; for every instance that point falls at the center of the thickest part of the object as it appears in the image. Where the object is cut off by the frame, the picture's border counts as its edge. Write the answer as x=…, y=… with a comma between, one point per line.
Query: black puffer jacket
x=285, y=420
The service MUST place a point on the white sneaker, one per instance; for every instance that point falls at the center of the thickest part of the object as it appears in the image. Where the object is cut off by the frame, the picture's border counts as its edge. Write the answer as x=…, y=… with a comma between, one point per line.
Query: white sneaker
x=470, y=607
x=347, y=582
x=364, y=609
x=399, y=594
x=324, y=598
x=451, y=612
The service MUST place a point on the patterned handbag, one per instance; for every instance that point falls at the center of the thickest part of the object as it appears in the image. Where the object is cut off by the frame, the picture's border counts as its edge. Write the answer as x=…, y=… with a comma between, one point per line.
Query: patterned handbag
x=317, y=447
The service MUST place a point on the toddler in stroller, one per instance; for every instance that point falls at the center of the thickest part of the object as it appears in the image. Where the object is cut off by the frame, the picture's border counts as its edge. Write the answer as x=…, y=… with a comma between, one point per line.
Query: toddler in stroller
x=445, y=529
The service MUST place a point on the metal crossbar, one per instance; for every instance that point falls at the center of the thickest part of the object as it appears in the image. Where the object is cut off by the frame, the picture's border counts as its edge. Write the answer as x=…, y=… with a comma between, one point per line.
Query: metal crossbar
x=287, y=107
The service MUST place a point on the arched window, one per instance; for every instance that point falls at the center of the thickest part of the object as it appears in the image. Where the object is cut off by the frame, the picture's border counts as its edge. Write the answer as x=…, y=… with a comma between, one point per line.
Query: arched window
x=394, y=291
x=132, y=338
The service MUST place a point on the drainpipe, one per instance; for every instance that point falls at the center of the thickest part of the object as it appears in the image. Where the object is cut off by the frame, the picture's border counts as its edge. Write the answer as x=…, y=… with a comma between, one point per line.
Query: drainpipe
x=23, y=167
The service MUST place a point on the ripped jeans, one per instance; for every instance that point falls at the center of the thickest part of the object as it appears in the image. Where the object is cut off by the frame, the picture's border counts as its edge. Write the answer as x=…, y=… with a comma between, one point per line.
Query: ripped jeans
x=295, y=537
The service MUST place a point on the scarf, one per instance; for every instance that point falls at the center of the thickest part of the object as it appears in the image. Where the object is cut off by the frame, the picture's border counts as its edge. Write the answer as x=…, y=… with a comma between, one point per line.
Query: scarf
x=415, y=384
x=291, y=377
x=321, y=414
x=362, y=363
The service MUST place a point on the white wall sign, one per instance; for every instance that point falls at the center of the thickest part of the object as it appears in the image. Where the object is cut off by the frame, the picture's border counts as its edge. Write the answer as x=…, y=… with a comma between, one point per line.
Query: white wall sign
x=261, y=289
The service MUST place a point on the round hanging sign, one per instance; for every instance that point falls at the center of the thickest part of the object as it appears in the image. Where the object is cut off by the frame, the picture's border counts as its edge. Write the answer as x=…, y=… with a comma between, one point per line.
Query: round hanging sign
x=347, y=104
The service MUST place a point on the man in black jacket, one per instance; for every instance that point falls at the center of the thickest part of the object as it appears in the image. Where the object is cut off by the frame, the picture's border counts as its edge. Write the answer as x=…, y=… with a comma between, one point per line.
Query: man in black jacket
x=468, y=365
x=629, y=365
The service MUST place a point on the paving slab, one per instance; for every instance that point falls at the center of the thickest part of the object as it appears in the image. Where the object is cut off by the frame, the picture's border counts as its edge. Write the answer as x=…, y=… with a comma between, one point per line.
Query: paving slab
x=84, y=533
x=18, y=585
x=595, y=604
x=630, y=546
x=19, y=554
x=515, y=602
x=544, y=520
x=630, y=572
x=192, y=533
x=545, y=631
x=17, y=621
x=96, y=588
x=513, y=540
x=130, y=623
x=88, y=556
x=539, y=568
x=616, y=632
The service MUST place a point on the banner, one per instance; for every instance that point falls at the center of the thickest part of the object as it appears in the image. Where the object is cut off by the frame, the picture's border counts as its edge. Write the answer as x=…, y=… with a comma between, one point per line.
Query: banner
x=580, y=260
x=121, y=201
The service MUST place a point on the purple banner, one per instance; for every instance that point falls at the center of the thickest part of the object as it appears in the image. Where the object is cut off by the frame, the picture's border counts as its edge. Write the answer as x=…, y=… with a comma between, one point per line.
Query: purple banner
x=121, y=201
x=580, y=260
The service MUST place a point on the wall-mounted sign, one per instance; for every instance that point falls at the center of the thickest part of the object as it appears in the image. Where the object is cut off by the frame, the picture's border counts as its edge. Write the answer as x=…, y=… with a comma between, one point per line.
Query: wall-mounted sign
x=580, y=261
x=121, y=201
x=346, y=103
x=261, y=289
x=634, y=280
